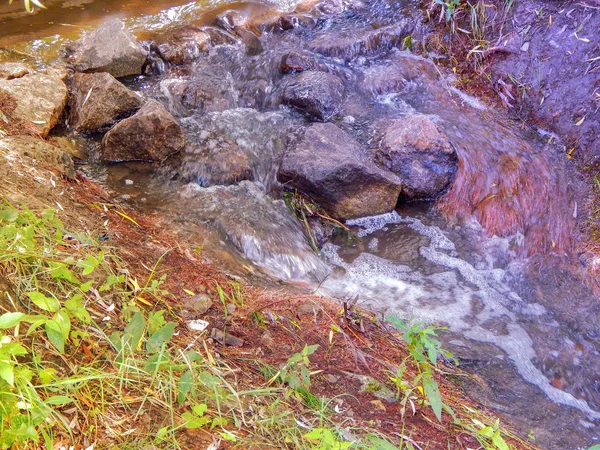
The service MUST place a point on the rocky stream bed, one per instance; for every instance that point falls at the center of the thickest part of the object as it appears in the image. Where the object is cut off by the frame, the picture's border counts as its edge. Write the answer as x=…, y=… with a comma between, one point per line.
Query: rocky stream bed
x=313, y=148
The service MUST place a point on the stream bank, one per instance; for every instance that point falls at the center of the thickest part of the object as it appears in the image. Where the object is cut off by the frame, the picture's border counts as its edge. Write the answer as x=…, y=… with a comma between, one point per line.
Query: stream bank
x=246, y=96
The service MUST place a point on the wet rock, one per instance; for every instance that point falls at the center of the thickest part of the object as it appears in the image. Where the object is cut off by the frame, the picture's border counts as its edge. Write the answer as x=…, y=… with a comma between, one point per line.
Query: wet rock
x=36, y=99
x=298, y=61
x=44, y=154
x=349, y=44
x=226, y=338
x=316, y=94
x=197, y=304
x=109, y=48
x=418, y=151
x=182, y=45
x=234, y=145
x=251, y=41
x=10, y=70
x=335, y=170
x=98, y=100
x=211, y=89
x=261, y=228
x=152, y=134
x=221, y=162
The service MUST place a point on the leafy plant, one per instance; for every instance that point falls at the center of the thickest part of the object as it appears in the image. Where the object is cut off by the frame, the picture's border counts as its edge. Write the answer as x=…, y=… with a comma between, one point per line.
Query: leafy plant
x=423, y=349
x=295, y=372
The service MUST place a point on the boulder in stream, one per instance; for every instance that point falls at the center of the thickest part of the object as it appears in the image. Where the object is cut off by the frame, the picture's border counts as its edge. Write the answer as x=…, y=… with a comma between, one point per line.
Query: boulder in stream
x=36, y=100
x=316, y=94
x=336, y=171
x=109, y=48
x=98, y=100
x=152, y=134
x=416, y=149
x=183, y=45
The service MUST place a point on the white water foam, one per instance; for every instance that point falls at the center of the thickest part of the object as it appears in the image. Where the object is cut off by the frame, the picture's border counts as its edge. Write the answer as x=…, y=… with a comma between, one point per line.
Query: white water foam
x=463, y=297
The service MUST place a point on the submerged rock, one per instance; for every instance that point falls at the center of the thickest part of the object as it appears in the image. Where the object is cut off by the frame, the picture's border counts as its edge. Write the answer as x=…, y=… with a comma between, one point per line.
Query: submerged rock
x=316, y=94
x=212, y=89
x=152, y=134
x=234, y=145
x=183, y=45
x=44, y=154
x=219, y=162
x=335, y=170
x=299, y=61
x=418, y=151
x=109, y=48
x=349, y=44
x=10, y=70
x=261, y=228
x=36, y=99
x=99, y=100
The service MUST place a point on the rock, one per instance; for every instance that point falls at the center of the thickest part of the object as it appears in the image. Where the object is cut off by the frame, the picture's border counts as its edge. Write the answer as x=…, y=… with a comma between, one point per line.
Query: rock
x=197, y=304
x=109, y=48
x=10, y=70
x=370, y=385
x=221, y=162
x=307, y=309
x=183, y=45
x=152, y=134
x=335, y=170
x=301, y=61
x=349, y=44
x=212, y=89
x=316, y=94
x=233, y=145
x=43, y=153
x=419, y=152
x=261, y=228
x=98, y=100
x=36, y=99
x=226, y=338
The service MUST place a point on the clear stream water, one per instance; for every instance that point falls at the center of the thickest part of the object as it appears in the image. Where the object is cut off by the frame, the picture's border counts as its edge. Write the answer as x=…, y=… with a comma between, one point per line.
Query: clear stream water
x=526, y=326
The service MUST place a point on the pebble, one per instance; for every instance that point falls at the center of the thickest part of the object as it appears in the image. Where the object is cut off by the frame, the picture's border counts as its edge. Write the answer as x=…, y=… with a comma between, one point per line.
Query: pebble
x=226, y=338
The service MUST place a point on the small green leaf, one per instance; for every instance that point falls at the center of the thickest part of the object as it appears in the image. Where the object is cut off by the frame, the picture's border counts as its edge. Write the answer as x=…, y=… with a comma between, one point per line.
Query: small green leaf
x=432, y=391
x=160, y=337
x=184, y=386
x=7, y=372
x=58, y=400
x=200, y=409
x=58, y=330
x=499, y=442
x=9, y=215
x=135, y=330
x=89, y=264
x=43, y=302
x=10, y=319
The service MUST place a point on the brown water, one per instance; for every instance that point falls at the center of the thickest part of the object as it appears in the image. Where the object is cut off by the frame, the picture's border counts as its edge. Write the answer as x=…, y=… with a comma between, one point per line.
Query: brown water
x=531, y=331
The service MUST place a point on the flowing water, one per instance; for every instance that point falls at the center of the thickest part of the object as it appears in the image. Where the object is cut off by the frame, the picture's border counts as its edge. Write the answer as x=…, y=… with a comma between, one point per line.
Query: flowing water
x=526, y=326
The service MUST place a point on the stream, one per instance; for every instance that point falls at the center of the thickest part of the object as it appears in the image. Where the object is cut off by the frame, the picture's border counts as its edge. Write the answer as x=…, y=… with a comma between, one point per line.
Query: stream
x=487, y=262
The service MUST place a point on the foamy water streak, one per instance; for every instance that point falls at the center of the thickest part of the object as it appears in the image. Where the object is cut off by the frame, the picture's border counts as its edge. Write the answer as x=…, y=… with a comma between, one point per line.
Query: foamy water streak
x=448, y=297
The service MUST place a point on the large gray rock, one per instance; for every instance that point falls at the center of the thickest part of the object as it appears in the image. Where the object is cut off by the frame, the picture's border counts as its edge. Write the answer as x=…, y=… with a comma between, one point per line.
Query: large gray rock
x=109, y=48
x=183, y=45
x=419, y=152
x=335, y=170
x=349, y=44
x=41, y=152
x=316, y=94
x=37, y=100
x=152, y=134
x=98, y=100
